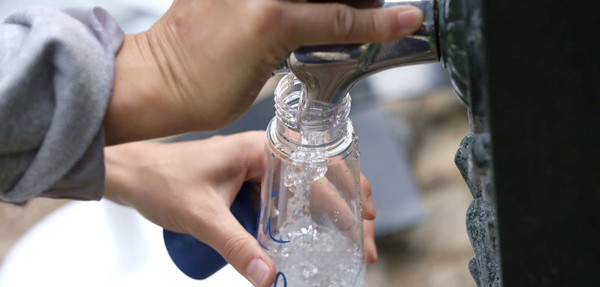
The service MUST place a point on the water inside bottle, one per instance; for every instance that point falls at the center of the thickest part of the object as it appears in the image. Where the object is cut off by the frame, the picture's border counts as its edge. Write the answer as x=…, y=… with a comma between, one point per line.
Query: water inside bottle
x=310, y=254
x=305, y=252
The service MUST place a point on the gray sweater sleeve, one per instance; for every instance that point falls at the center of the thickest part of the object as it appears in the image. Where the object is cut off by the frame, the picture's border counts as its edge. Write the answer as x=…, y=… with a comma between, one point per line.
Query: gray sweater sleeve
x=56, y=78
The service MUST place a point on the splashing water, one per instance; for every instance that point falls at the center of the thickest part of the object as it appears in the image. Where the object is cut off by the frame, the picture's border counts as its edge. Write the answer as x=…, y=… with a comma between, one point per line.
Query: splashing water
x=310, y=254
x=319, y=257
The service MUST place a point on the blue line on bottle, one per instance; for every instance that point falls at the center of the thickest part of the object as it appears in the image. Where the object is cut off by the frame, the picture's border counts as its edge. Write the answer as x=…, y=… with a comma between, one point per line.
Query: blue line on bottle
x=271, y=234
x=277, y=279
x=264, y=229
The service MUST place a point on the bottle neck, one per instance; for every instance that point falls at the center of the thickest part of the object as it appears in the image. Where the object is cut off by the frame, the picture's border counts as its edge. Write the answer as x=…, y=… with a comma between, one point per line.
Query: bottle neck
x=307, y=122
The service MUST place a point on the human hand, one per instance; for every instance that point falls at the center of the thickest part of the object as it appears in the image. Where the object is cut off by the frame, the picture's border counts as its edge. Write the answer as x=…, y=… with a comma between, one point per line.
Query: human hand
x=204, y=62
x=189, y=187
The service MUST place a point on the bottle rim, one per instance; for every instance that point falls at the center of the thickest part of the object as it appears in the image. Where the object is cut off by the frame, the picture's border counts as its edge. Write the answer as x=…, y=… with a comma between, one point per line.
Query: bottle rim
x=297, y=111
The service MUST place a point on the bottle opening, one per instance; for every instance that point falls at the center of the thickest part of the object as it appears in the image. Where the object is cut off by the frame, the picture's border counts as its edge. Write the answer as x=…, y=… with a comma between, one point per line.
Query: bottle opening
x=300, y=112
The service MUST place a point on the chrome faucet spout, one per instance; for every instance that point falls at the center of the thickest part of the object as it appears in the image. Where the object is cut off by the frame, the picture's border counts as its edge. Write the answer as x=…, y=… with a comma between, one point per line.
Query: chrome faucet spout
x=329, y=72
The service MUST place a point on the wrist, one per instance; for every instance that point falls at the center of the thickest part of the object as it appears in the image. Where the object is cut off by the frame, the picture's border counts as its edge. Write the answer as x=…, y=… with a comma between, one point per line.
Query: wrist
x=123, y=165
x=141, y=106
x=117, y=175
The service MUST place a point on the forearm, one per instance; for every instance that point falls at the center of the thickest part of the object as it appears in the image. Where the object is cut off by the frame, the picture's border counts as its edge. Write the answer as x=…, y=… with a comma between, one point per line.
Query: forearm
x=124, y=171
x=117, y=177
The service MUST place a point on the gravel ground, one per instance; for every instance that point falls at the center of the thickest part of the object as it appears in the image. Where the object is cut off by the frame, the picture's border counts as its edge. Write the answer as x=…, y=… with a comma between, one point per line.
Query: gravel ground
x=435, y=253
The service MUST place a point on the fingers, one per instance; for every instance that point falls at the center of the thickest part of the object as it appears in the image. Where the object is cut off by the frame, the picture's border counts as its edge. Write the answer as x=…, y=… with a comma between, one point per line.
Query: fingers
x=326, y=198
x=310, y=24
x=370, y=248
x=332, y=194
x=240, y=249
x=252, y=146
x=369, y=211
x=344, y=178
x=340, y=175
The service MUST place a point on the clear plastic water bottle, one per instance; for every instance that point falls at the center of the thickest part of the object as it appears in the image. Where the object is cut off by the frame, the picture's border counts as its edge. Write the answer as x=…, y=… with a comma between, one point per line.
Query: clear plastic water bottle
x=310, y=222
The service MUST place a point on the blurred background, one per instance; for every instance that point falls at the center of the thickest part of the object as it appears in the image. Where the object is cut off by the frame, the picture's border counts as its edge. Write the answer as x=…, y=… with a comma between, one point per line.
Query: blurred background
x=410, y=125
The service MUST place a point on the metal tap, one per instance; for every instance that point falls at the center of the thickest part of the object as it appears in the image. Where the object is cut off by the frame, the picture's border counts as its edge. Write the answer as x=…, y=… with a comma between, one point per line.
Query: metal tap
x=329, y=72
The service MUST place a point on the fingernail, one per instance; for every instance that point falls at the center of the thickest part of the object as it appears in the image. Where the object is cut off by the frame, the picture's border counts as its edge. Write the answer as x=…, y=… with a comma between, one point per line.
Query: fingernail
x=258, y=271
x=410, y=19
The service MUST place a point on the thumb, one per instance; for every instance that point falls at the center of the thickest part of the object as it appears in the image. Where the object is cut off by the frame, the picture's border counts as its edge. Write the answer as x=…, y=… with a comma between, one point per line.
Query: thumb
x=240, y=249
x=312, y=24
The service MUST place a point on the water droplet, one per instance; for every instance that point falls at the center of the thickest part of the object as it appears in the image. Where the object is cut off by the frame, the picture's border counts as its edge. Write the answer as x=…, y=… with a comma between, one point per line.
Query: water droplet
x=285, y=251
x=308, y=270
x=336, y=215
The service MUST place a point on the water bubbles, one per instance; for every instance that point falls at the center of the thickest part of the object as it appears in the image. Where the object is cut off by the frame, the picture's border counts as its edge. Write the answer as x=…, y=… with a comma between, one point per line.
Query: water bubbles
x=330, y=259
x=307, y=270
x=305, y=168
x=312, y=255
x=319, y=173
x=336, y=215
x=292, y=177
x=305, y=231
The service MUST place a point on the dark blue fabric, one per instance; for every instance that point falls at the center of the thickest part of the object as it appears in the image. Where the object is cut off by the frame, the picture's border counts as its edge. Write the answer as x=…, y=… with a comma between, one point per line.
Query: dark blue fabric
x=198, y=260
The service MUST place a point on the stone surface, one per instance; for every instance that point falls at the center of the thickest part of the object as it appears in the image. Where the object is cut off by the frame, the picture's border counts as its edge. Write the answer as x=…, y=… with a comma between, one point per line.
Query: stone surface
x=480, y=221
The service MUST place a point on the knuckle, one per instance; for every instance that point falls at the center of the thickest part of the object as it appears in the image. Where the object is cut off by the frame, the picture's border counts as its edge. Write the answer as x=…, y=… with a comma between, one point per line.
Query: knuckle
x=213, y=123
x=218, y=114
x=345, y=22
x=375, y=26
x=265, y=16
x=234, y=247
x=253, y=140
